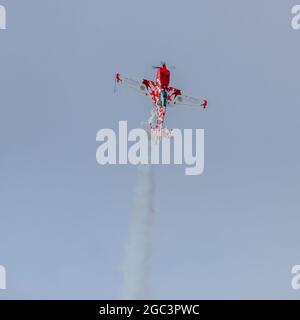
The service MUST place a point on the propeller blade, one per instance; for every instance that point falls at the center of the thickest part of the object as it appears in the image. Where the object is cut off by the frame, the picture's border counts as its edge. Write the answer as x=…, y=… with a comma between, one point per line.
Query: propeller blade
x=115, y=86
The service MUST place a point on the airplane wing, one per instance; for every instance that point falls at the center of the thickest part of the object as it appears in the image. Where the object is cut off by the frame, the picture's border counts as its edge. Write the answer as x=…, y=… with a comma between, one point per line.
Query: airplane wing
x=190, y=101
x=179, y=99
x=139, y=86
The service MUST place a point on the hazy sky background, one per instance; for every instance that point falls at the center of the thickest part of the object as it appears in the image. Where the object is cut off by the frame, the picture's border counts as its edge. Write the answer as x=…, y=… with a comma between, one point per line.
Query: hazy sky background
x=232, y=232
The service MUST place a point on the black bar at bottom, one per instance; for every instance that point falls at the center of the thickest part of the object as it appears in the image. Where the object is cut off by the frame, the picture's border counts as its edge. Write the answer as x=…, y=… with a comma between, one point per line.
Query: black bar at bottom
x=143, y=309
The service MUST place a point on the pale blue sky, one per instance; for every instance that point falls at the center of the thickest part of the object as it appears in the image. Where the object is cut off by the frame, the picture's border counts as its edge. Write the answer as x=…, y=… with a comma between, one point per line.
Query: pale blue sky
x=232, y=232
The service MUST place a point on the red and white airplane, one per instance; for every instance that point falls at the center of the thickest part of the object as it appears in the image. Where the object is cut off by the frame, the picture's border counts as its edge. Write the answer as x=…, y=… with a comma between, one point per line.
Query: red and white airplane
x=161, y=94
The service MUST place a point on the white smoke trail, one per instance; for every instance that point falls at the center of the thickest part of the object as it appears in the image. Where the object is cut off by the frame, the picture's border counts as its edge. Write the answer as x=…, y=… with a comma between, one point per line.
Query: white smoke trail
x=138, y=248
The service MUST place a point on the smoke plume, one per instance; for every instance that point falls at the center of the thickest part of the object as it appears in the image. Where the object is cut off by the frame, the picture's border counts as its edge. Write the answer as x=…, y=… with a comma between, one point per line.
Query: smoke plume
x=138, y=248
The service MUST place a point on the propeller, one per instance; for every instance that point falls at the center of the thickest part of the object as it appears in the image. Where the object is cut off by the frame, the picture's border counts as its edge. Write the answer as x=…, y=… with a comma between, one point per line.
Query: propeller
x=161, y=64
x=115, y=86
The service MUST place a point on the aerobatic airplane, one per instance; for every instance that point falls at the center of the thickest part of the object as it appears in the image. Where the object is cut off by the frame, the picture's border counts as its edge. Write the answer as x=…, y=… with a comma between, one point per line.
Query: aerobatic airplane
x=162, y=96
